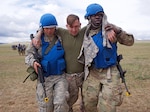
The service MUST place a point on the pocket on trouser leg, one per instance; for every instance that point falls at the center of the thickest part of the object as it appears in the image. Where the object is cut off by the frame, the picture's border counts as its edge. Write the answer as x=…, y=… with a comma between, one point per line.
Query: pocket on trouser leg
x=90, y=95
x=117, y=95
x=109, y=99
x=61, y=107
x=117, y=89
x=43, y=106
x=40, y=93
x=80, y=79
x=73, y=93
x=67, y=95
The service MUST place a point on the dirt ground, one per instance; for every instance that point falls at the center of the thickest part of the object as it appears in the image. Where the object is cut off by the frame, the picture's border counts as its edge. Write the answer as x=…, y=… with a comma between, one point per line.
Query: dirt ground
x=16, y=96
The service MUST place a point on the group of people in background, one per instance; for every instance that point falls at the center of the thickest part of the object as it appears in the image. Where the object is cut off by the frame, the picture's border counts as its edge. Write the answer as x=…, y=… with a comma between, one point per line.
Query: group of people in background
x=75, y=59
x=20, y=47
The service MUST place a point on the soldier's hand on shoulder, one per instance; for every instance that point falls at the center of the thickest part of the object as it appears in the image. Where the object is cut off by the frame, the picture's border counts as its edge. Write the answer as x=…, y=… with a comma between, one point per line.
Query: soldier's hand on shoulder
x=36, y=42
x=111, y=34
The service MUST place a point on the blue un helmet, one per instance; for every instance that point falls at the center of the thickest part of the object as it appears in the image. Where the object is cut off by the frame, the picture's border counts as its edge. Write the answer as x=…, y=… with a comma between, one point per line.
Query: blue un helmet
x=48, y=21
x=93, y=9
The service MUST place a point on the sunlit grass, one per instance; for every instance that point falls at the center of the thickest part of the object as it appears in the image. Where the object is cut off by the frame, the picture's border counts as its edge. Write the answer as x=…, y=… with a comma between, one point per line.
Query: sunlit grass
x=136, y=61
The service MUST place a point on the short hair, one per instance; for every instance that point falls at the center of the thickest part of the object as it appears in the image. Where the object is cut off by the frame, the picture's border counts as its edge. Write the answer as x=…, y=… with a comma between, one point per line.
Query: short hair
x=71, y=19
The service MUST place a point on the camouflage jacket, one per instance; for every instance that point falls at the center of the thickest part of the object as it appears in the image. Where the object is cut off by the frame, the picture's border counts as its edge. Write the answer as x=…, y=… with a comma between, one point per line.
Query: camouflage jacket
x=30, y=55
x=30, y=52
x=89, y=49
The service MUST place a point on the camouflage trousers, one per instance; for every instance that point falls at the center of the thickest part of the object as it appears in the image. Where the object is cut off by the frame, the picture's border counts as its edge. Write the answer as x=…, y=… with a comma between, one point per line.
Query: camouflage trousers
x=101, y=95
x=56, y=87
x=75, y=81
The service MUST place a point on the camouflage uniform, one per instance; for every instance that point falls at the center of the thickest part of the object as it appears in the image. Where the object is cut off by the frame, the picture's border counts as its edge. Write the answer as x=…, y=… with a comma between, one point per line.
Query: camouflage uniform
x=56, y=90
x=56, y=87
x=101, y=95
x=75, y=81
x=74, y=69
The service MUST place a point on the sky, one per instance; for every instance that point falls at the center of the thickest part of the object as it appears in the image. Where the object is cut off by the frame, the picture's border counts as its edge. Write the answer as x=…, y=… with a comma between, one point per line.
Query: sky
x=20, y=18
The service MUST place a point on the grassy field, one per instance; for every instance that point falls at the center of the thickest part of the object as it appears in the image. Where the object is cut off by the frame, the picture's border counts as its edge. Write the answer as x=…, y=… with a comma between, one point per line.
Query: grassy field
x=16, y=96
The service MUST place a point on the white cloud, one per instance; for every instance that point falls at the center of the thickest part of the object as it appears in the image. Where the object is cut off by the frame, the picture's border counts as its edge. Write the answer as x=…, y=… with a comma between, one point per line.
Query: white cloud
x=19, y=18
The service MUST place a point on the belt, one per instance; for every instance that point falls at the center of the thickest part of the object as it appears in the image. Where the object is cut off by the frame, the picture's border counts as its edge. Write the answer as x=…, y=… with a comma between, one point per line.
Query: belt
x=108, y=71
x=74, y=74
x=103, y=69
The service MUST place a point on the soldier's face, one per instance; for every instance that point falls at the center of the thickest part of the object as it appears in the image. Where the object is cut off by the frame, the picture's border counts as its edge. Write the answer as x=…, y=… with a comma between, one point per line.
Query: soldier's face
x=96, y=19
x=49, y=31
x=74, y=28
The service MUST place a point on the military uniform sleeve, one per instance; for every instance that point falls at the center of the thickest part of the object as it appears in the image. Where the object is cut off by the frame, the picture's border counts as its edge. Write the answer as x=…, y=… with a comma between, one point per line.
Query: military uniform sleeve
x=125, y=38
x=29, y=56
x=61, y=32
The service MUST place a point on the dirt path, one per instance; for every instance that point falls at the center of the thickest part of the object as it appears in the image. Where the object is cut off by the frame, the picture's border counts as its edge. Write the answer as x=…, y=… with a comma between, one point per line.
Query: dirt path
x=19, y=97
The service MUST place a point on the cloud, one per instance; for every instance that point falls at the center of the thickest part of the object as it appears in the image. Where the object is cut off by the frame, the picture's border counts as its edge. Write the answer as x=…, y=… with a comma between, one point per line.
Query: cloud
x=20, y=18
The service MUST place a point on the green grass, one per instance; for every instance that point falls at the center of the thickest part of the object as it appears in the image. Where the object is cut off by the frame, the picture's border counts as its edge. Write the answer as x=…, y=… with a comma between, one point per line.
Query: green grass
x=137, y=63
x=16, y=96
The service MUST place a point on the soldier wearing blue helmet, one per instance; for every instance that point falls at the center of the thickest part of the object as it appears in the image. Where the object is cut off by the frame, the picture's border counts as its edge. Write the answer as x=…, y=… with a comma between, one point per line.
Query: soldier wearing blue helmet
x=99, y=44
x=48, y=21
x=93, y=9
x=53, y=65
x=102, y=89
